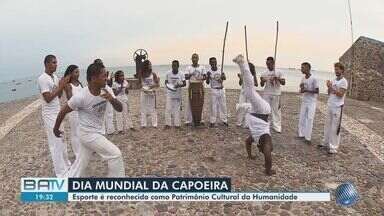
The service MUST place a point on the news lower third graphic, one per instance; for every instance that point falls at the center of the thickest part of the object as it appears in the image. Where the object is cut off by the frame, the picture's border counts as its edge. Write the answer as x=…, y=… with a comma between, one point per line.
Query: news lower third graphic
x=150, y=189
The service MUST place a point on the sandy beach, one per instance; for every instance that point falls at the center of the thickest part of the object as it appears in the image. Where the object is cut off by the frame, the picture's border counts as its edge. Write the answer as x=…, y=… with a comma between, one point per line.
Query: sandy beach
x=212, y=152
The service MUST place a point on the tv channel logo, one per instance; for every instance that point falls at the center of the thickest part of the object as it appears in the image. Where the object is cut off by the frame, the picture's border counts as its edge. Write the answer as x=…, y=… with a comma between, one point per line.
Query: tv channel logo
x=44, y=185
x=346, y=194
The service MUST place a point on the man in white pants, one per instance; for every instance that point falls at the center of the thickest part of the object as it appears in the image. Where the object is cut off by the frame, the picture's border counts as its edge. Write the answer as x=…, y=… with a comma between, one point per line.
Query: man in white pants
x=173, y=98
x=194, y=72
x=336, y=91
x=149, y=82
x=257, y=120
x=243, y=107
x=51, y=89
x=309, y=87
x=272, y=81
x=218, y=100
x=91, y=105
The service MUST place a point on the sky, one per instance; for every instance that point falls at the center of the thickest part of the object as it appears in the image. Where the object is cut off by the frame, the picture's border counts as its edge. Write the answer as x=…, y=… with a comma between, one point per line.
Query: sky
x=78, y=31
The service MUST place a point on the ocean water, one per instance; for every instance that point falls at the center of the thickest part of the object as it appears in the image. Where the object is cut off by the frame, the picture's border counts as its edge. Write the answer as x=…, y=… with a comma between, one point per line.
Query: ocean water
x=27, y=86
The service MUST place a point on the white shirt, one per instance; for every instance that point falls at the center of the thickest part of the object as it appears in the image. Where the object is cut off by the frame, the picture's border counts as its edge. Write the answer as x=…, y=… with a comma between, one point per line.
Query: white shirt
x=215, y=79
x=333, y=100
x=269, y=88
x=196, y=73
x=48, y=83
x=310, y=84
x=120, y=87
x=174, y=79
x=91, y=110
x=76, y=89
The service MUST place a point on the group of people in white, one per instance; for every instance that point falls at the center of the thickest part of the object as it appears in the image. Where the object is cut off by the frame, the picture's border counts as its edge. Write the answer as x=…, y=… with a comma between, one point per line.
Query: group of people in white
x=91, y=108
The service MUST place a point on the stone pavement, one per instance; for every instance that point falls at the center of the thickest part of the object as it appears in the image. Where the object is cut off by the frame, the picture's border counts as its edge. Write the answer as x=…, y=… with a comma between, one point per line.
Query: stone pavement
x=211, y=152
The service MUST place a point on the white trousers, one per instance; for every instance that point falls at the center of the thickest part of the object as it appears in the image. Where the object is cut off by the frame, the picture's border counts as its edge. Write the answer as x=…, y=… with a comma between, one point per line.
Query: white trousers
x=218, y=105
x=241, y=113
x=74, y=126
x=241, y=110
x=172, y=110
x=109, y=126
x=95, y=142
x=307, y=115
x=331, y=138
x=257, y=127
x=57, y=147
x=274, y=102
x=148, y=107
x=123, y=119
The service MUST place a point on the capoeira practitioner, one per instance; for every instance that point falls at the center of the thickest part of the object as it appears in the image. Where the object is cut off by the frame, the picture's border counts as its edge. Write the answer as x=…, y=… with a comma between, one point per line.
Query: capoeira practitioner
x=120, y=89
x=336, y=91
x=272, y=80
x=243, y=107
x=173, y=98
x=51, y=89
x=194, y=72
x=218, y=101
x=258, y=118
x=109, y=126
x=309, y=86
x=72, y=88
x=91, y=103
x=149, y=81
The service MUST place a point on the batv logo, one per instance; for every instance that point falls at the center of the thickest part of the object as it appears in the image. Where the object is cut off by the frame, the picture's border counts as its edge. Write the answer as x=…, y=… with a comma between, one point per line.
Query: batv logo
x=44, y=185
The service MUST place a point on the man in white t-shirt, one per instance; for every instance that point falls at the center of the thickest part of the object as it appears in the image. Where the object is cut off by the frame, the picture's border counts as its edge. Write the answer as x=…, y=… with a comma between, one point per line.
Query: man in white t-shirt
x=336, y=91
x=272, y=80
x=257, y=120
x=91, y=104
x=176, y=79
x=51, y=89
x=149, y=81
x=197, y=73
x=218, y=100
x=309, y=87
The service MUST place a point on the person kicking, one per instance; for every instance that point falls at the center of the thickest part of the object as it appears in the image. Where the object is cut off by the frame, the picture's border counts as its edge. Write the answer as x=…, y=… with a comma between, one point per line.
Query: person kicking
x=243, y=107
x=257, y=120
x=91, y=104
x=309, y=87
x=218, y=101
